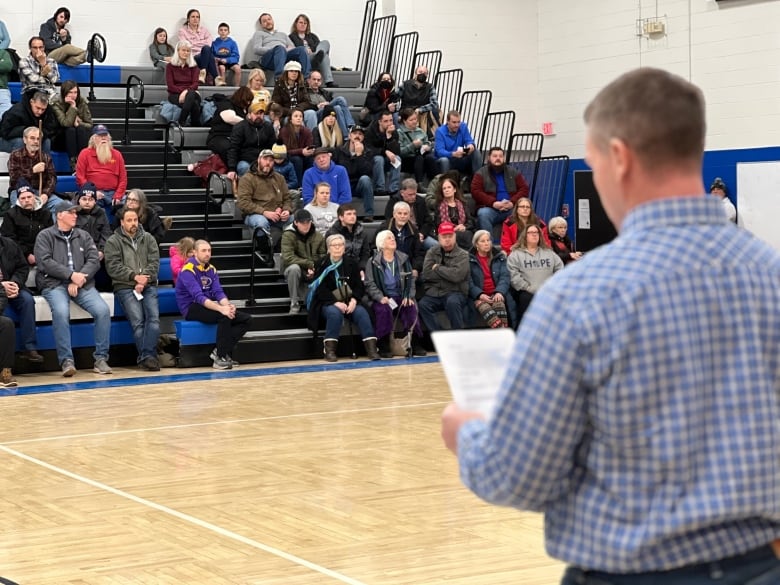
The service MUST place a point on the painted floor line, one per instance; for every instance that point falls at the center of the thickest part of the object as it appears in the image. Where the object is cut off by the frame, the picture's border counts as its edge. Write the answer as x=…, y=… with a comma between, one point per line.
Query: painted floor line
x=221, y=422
x=242, y=372
x=190, y=519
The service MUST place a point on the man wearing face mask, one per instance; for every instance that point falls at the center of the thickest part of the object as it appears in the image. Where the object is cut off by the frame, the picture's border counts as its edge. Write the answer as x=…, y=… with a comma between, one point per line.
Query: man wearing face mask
x=418, y=93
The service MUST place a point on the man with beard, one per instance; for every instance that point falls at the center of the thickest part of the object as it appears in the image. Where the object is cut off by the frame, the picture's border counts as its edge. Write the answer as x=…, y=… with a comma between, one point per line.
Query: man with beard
x=132, y=262
x=420, y=95
x=355, y=157
x=102, y=165
x=263, y=196
x=200, y=297
x=247, y=139
x=68, y=261
x=29, y=166
x=496, y=187
x=382, y=142
x=23, y=222
x=92, y=219
x=31, y=111
x=274, y=48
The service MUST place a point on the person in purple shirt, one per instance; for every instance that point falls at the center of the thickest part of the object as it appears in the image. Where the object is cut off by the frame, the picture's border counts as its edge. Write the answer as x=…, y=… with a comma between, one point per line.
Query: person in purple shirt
x=200, y=297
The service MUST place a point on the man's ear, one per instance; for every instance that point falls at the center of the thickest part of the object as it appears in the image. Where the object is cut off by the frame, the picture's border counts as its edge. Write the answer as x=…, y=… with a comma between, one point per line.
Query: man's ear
x=622, y=158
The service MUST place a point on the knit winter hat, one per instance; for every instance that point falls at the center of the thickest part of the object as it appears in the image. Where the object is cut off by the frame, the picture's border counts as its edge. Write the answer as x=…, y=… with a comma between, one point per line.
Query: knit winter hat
x=718, y=184
x=22, y=186
x=280, y=151
x=87, y=190
x=292, y=66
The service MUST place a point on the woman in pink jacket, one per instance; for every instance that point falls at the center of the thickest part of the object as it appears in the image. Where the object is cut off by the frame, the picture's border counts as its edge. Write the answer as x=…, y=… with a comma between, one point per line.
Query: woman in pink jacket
x=200, y=40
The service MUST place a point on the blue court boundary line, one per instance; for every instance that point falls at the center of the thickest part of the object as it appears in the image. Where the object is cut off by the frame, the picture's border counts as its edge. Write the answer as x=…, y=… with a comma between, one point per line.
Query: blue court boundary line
x=243, y=372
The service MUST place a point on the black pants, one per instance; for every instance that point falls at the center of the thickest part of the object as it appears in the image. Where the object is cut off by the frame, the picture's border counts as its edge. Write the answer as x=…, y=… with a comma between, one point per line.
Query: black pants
x=523, y=298
x=219, y=145
x=423, y=166
x=7, y=347
x=229, y=331
x=190, y=109
x=76, y=140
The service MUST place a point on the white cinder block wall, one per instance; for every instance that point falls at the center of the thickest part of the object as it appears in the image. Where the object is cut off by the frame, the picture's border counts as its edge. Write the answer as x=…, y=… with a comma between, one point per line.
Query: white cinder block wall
x=730, y=49
x=545, y=59
x=128, y=25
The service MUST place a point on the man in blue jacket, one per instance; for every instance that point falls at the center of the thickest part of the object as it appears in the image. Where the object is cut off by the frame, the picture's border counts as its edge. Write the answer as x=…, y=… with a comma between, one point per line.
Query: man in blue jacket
x=455, y=147
x=200, y=297
x=325, y=170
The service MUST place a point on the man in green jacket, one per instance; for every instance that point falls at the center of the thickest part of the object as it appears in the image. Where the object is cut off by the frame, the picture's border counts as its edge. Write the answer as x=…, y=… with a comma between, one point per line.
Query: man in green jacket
x=133, y=261
x=302, y=248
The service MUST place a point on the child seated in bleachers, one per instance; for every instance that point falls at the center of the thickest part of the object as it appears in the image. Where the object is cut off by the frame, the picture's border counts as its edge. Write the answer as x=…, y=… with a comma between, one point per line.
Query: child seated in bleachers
x=226, y=53
x=179, y=253
x=160, y=51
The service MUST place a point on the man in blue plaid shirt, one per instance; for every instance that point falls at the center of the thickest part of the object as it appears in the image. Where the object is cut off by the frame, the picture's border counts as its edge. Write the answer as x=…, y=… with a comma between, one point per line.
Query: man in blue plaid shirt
x=640, y=411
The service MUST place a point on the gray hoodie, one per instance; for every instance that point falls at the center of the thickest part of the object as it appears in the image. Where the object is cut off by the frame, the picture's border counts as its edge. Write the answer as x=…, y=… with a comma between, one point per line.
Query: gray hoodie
x=529, y=271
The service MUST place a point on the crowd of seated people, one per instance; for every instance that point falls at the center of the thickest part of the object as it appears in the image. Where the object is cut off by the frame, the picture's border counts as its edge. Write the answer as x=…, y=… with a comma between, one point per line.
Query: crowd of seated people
x=427, y=252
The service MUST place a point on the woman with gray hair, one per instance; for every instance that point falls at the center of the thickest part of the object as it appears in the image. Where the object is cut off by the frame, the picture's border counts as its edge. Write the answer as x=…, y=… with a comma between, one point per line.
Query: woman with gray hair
x=489, y=283
x=560, y=242
x=181, y=78
x=334, y=296
x=390, y=288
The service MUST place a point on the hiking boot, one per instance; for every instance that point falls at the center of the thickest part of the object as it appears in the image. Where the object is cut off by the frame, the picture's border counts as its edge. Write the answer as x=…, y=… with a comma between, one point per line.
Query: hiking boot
x=7, y=379
x=68, y=368
x=31, y=356
x=222, y=363
x=102, y=367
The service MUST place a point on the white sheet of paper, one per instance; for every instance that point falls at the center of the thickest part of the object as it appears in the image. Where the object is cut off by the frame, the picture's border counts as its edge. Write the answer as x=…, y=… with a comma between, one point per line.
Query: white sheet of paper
x=397, y=163
x=474, y=361
x=583, y=214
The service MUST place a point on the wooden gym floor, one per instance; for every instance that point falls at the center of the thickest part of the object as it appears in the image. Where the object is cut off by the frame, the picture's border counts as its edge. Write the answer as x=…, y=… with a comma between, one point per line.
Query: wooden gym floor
x=287, y=474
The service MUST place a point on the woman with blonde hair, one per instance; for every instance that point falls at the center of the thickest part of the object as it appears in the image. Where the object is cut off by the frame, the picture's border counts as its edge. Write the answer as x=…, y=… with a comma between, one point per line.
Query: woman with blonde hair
x=181, y=78
x=256, y=82
x=328, y=133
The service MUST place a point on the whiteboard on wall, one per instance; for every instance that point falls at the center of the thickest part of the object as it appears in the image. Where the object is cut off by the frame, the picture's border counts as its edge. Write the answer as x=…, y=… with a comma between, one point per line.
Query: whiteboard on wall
x=758, y=188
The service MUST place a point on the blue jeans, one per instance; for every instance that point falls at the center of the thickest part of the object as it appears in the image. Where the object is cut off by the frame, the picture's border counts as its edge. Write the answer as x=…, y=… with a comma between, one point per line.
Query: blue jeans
x=759, y=567
x=323, y=50
x=24, y=305
x=335, y=318
x=88, y=299
x=258, y=220
x=343, y=116
x=242, y=168
x=453, y=304
x=365, y=190
x=5, y=101
x=487, y=217
x=381, y=166
x=467, y=165
x=144, y=318
x=278, y=56
x=205, y=60
x=51, y=202
x=17, y=143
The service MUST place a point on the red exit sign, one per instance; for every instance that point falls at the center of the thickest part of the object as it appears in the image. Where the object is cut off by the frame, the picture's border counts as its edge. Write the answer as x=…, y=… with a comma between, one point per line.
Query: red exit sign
x=547, y=129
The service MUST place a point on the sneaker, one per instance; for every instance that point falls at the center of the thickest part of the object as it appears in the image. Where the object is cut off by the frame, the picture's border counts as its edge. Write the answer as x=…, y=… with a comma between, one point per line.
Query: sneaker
x=149, y=364
x=202, y=76
x=233, y=362
x=295, y=308
x=222, y=364
x=102, y=367
x=219, y=81
x=7, y=379
x=68, y=368
x=31, y=356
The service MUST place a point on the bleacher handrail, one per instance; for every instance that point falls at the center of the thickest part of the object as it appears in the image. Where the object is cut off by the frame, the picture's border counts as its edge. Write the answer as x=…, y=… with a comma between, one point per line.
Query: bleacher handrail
x=96, y=51
x=139, y=83
x=365, y=37
x=166, y=150
x=210, y=199
x=402, y=54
